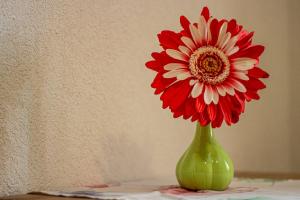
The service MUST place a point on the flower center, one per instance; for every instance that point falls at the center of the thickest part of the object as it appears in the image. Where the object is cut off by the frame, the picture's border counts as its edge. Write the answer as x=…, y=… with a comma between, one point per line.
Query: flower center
x=209, y=64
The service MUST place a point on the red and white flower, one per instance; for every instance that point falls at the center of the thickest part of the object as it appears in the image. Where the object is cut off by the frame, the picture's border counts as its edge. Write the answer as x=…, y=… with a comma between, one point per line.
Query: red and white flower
x=208, y=70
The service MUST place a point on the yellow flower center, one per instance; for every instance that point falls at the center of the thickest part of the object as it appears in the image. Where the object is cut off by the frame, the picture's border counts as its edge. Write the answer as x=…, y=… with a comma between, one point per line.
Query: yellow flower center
x=210, y=65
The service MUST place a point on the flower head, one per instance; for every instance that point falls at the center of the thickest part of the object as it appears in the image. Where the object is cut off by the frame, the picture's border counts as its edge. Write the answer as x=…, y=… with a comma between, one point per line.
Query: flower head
x=208, y=70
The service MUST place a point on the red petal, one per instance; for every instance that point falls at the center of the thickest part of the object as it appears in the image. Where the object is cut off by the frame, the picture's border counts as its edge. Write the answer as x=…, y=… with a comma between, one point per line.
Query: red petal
x=175, y=95
x=214, y=28
x=258, y=73
x=199, y=104
x=185, y=23
x=186, y=34
x=163, y=58
x=233, y=28
x=225, y=108
x=178, y=111
x=203, y=118
x=251, y=52
x=182, y=95
x=243, y=34
x=212, y=111
x=241, y=99
x=205, y=13
x=156, y=55
x=235, y=108
x=235, y=117
x=195, y=117
x=160, y=83
x=177, y=114
x=251, y=95
x=245, y=40
x=240, y=28
x=254, y=84
x=189, y=108
x=154, y=65
x=219, y=118
x=169, y=39
x=236, y=105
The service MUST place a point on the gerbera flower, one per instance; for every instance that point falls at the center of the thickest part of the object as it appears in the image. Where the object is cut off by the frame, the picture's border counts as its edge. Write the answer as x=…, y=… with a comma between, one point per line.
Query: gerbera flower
x=208, y=70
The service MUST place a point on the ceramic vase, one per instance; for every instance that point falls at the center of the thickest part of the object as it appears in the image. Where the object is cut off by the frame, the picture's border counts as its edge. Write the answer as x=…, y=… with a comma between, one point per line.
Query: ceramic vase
x=204, y=165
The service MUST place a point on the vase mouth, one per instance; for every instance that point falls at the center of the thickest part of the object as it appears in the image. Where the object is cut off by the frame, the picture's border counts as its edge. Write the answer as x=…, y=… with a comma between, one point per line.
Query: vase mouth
x=207, y=125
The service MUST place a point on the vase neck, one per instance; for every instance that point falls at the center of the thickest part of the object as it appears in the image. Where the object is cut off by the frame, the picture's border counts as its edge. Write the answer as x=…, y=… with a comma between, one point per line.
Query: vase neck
x=203, y=136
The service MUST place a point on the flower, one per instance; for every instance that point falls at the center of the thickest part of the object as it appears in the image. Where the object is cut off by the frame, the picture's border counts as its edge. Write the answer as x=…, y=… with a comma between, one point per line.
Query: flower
x=208, y=70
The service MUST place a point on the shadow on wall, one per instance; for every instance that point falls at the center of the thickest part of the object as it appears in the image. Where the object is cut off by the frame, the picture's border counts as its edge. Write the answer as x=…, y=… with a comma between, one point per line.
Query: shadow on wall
x=20, y=91
x=124, y=158
x=42, y=134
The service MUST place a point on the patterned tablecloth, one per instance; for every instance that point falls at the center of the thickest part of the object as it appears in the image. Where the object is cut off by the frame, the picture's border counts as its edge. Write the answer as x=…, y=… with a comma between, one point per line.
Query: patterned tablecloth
x=167, y=189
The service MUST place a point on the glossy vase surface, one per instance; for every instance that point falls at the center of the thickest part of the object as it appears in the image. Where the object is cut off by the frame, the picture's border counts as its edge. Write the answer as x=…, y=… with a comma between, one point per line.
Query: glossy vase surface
x=204, y=165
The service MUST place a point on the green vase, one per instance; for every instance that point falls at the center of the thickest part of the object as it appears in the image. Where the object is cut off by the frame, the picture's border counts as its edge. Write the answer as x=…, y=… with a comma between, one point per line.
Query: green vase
x=204, y=165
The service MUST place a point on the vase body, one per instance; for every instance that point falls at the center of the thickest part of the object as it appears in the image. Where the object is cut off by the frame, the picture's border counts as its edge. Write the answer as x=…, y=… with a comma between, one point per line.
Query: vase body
x=204, y=165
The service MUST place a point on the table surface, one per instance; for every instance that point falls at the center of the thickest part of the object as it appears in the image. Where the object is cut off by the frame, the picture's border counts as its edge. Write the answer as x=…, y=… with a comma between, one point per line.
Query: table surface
x=237, y=174
x=38, y=197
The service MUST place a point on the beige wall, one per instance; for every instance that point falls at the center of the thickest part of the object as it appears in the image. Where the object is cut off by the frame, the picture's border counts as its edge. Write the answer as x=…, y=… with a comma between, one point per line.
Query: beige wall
x=76, y=106
x=294, y=42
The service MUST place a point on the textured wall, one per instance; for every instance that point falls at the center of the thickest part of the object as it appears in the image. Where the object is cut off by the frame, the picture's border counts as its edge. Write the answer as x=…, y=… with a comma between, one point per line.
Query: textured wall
x=75, y=103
